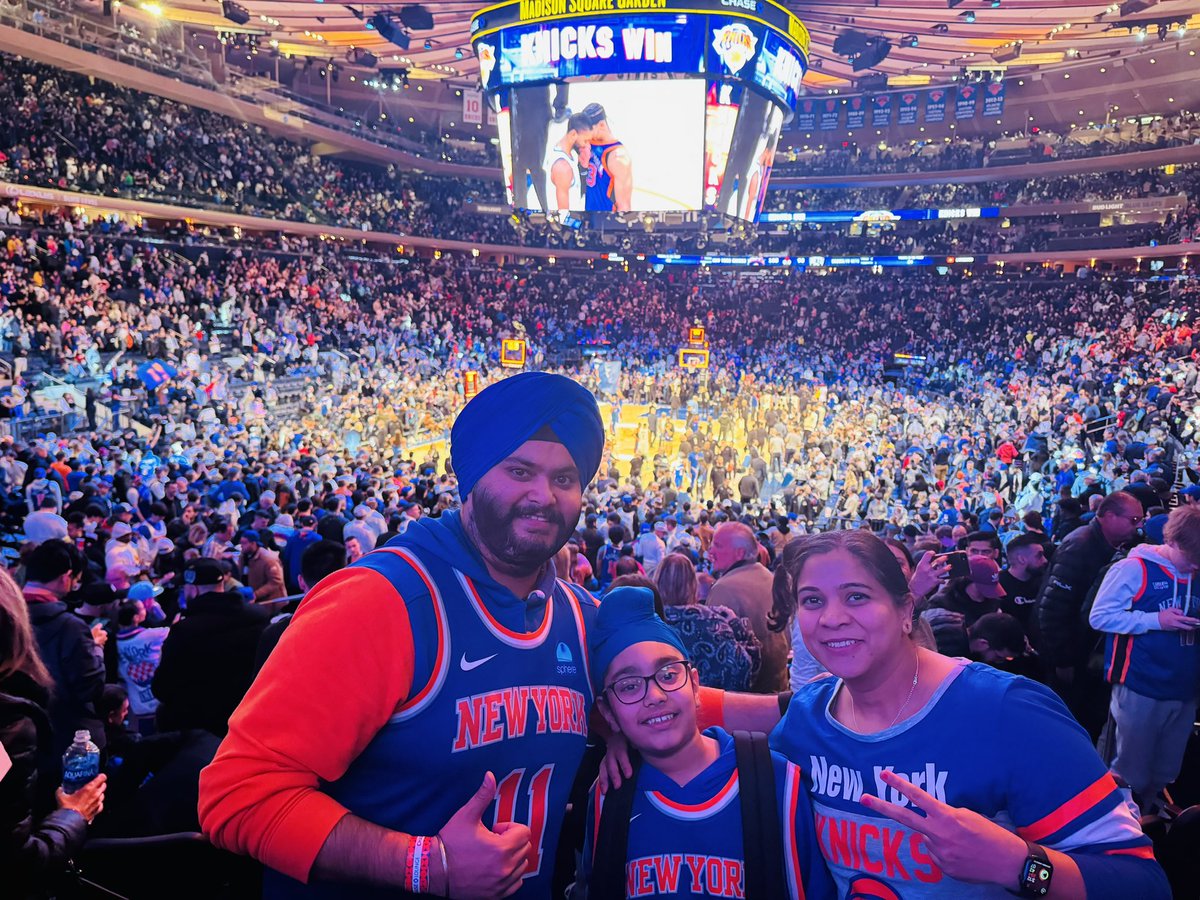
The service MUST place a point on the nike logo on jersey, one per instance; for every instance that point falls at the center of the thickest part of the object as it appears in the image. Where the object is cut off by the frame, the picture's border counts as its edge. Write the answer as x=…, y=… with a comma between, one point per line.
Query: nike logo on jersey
x=467, y=665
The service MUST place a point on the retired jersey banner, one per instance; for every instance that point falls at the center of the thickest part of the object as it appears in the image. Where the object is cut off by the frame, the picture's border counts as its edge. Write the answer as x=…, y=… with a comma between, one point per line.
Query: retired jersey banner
x=964, y=106
x=993, y=99
x=935, y=105
x=908, y=108
x=881, y=111
x=472, y=111
x=831, y=112
x=856, y=112
x=806, y=115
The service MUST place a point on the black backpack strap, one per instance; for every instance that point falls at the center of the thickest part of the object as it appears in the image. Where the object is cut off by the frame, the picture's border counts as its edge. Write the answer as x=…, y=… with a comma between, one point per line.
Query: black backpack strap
x=762, y=840
x=612, y=838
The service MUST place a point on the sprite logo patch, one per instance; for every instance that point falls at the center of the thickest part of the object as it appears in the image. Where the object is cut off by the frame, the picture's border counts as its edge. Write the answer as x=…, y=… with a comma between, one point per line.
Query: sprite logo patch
x=735, y=45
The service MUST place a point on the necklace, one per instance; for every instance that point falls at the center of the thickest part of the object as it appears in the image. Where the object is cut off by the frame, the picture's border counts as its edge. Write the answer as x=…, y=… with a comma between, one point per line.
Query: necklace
x=912, y=690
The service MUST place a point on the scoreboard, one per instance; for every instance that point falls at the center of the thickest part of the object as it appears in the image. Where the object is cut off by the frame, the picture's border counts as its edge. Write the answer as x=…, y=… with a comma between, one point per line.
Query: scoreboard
x=611, y=106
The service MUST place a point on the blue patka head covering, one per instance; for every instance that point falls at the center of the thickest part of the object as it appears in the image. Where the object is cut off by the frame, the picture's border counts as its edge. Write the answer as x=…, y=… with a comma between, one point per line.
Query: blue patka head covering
x=626, y=617
x=506, y=414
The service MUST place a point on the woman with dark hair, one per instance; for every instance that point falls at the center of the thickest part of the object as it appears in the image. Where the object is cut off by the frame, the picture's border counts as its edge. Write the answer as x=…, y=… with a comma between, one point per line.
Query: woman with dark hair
x=36, y=842
x=1010, y=792
x=720, y=644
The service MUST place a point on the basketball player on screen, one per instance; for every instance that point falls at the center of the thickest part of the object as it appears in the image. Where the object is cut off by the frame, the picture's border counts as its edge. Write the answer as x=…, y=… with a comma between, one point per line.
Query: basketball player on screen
x=610, y=169
x=532, y=113
x=567, y=156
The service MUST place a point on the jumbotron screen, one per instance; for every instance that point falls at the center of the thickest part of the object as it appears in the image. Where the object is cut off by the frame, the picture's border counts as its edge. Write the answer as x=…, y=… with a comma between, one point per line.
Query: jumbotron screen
x=640, y=105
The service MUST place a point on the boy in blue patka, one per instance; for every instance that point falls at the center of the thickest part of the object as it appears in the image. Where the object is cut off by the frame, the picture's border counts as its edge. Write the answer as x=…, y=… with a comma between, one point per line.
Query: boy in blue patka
x=704, y=815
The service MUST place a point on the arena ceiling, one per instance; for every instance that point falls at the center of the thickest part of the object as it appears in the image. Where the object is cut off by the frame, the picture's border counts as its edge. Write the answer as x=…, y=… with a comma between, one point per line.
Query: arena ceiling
x=1051, y=35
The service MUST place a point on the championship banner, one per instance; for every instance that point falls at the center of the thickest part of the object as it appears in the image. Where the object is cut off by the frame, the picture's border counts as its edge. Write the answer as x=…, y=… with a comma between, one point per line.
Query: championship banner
x=856, y=112
x=155, y=372
x=806, y=115
x=964, y=106
x=993, y=99
x=881, y=111
x=935, y=105
x=908, y=108
x=472, y=111
x=831, y=112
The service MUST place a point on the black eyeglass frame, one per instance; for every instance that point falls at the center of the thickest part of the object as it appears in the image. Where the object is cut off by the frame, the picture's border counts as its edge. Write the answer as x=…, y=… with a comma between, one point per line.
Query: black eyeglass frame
x=646, y=679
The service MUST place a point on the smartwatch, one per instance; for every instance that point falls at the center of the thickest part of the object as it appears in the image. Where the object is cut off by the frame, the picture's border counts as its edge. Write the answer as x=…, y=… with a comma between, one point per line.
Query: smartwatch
x=1036, y=873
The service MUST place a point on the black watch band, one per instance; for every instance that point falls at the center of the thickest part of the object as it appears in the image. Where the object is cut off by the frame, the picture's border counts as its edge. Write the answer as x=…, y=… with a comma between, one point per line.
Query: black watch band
x=1036, y=873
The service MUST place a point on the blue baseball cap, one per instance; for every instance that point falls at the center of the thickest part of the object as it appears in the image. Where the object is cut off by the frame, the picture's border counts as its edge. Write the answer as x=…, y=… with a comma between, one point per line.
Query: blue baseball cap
x=144, y=590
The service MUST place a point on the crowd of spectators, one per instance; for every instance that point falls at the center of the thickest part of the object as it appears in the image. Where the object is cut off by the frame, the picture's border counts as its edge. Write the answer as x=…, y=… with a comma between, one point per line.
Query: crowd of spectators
x=179, y=533
x=98, y=138
x=236, y=419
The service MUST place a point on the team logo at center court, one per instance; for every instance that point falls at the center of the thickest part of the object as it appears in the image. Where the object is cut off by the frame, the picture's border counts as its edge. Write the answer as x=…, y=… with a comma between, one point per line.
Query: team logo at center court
x=566, y=662
x=735, y=45
x=487, y=61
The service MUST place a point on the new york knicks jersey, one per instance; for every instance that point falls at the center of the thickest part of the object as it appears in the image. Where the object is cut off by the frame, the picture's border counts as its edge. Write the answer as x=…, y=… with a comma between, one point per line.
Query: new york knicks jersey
x=487, y=695
x=599, y=196
x=1162, y=665
x=686, y=840
x=1000, y=745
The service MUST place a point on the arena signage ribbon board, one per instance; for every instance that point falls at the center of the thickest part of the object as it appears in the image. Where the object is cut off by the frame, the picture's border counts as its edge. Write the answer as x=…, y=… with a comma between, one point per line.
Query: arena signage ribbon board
x=519, y=12
x=586, y=48
x=857, y=215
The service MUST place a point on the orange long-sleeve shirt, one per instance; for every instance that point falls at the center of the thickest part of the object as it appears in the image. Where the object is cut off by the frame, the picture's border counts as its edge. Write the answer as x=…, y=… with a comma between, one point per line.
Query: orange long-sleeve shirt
x=343, y=666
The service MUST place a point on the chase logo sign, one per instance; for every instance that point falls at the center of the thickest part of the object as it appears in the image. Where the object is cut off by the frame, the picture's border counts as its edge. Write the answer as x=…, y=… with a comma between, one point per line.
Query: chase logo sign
x=735, y=44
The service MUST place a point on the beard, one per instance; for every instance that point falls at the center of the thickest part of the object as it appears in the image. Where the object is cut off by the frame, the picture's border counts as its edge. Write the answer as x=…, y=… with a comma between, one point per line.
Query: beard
x=495, y=524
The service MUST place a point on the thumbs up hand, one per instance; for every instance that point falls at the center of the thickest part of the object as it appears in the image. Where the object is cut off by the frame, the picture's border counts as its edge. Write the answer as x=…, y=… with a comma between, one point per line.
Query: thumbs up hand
x=482, y=863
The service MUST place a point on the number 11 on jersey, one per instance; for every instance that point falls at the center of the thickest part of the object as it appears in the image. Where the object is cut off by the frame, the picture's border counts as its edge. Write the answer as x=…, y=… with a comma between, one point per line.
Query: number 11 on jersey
x=538, y=792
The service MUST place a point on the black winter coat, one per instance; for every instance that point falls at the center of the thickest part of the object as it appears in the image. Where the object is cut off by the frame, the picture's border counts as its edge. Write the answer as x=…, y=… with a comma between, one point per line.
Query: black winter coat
x=208, y=662
x=34, y=848
x=1066, y=637
x=76, y=663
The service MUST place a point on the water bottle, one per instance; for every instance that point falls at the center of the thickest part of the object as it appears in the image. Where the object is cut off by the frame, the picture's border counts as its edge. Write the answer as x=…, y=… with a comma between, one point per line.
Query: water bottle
x=81, y=762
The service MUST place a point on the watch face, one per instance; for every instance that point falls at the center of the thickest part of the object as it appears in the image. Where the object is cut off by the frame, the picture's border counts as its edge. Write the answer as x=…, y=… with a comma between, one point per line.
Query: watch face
x=1037, y=878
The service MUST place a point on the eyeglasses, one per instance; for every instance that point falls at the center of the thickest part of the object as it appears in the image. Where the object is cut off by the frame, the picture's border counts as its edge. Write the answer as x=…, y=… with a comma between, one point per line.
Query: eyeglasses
x=632, y=688
x=1133, y=520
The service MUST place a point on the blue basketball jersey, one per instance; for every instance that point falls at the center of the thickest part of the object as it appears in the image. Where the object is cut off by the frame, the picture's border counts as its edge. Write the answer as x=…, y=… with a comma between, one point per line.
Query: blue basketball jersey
x=599, y=196
x=998, y=744
x=492, y=692
x=686, y=840
x=1163, y=665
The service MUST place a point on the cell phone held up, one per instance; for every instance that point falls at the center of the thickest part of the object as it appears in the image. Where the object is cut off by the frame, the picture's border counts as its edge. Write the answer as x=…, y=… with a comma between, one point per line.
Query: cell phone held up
x=959, y=566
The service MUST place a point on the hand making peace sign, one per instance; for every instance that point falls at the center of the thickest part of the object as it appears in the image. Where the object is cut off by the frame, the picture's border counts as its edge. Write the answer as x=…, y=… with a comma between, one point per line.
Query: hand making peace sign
x=963, y=844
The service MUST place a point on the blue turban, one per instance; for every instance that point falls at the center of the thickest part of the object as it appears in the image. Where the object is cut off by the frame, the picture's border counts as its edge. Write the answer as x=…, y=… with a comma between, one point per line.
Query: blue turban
x=626, y=617
x=506, y=414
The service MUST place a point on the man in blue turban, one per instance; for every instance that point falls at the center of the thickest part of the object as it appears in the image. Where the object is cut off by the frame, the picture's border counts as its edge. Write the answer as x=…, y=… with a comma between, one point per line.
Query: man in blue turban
x=423, y=688
x=523, y=450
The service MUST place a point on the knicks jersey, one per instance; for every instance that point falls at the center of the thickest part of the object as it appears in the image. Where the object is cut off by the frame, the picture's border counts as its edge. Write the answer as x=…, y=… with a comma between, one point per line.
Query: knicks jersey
x=686, y=841
x=489, y=694
x=1000, y=745
x=599, y=196
x=1157, y=664
x=555, y=155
